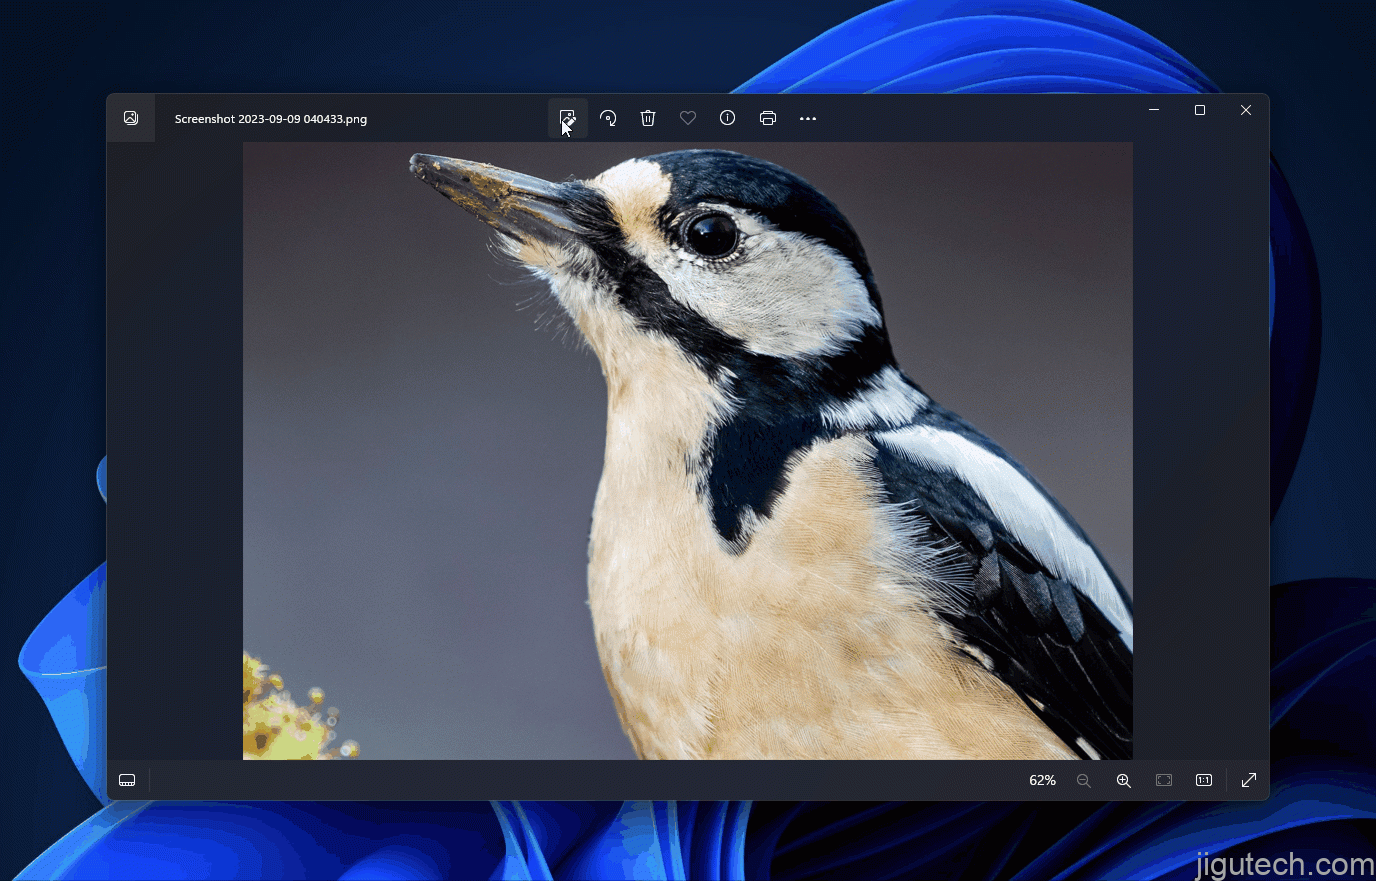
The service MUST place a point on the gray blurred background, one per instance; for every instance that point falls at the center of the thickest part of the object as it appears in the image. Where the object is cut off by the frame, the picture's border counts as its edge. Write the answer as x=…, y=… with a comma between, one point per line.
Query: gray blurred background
x=423, y=432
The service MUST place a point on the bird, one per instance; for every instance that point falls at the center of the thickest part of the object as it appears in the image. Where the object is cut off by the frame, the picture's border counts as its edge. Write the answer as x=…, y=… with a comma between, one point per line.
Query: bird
x=795, y=552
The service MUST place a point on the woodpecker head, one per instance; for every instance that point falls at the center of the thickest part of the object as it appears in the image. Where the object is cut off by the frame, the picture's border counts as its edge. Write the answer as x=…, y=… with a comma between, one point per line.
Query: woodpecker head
x=742, y=265
x=702, y=275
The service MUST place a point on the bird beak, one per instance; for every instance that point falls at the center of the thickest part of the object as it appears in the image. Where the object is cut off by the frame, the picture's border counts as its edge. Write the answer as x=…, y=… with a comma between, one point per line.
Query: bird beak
x=525, y=208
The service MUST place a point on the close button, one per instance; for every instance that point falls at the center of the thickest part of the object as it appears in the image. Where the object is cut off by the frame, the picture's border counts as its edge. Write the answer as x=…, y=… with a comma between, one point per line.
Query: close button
x=1246, y=109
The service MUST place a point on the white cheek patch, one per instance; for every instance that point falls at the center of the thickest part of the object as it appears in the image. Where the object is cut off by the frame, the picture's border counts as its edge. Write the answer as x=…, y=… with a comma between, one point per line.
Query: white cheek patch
x=786, y=295
x=1021, y=507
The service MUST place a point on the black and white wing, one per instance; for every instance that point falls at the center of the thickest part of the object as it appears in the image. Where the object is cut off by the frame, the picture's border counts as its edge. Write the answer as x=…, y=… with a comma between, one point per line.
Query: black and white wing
x=1033, y=602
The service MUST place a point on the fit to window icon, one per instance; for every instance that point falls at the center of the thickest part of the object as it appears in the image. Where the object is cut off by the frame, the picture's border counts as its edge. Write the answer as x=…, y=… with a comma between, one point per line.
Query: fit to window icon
x=647, y=117
x=566, y=120
x=131, y=117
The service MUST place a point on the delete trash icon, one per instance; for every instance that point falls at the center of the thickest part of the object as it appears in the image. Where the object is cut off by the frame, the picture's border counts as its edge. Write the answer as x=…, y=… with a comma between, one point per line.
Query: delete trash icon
x=131, y=117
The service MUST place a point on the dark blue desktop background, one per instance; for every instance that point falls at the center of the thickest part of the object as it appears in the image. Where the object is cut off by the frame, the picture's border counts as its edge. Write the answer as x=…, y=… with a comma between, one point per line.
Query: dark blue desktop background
x=1316, y=62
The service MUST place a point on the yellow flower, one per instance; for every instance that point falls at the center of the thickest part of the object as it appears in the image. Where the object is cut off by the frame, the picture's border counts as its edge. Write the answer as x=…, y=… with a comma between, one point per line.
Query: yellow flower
x=276, y=728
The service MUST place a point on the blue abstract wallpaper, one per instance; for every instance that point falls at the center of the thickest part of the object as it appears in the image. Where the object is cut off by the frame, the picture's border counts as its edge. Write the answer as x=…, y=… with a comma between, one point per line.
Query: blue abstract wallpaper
x=1315, y=60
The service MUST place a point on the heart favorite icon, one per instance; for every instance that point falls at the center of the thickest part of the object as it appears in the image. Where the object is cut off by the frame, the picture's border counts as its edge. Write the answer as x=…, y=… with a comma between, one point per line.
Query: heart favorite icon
x=687, y=116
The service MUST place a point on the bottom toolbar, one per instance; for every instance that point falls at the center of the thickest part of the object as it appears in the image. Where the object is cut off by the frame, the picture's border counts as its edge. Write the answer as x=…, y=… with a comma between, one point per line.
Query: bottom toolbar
x=364, y=780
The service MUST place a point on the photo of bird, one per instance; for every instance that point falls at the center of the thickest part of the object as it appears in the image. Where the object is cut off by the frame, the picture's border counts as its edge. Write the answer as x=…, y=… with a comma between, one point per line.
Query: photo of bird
x=795, y=552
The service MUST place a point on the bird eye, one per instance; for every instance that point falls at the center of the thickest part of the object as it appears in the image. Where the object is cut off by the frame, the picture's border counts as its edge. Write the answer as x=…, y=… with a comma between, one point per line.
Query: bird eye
x=710, y=235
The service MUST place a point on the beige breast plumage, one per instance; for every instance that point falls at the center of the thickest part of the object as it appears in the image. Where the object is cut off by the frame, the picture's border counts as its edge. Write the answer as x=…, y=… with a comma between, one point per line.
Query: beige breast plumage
x=813, y=642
